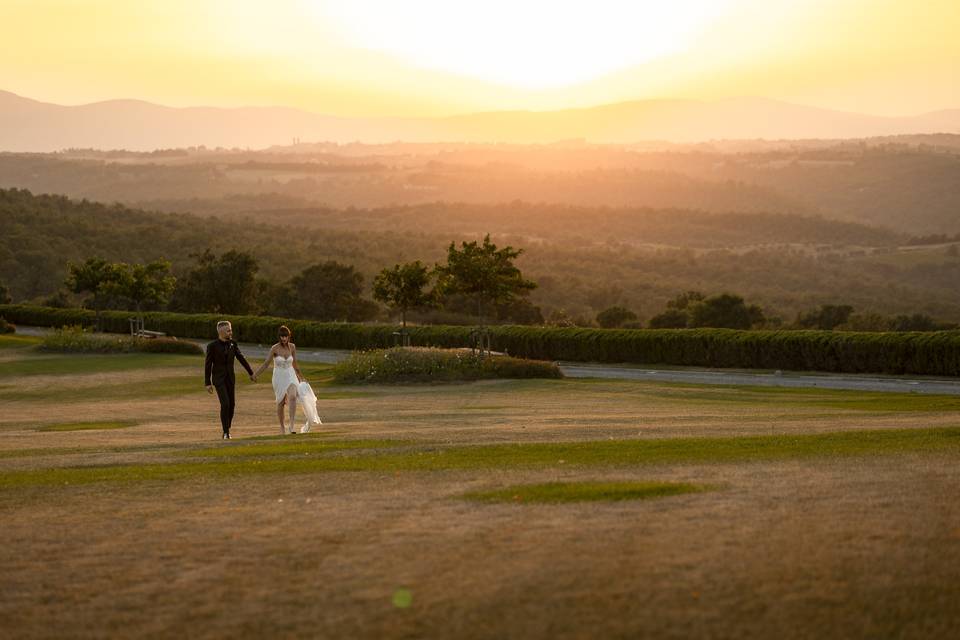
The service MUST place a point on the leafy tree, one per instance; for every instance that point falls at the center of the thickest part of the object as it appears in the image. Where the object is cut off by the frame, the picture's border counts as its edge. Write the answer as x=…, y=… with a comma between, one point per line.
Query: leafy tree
x=677, y=315
x=725, y=311
x=519, y=311
x=143, y=284
x=866, y=322
x=60, y=300
x=4, y=294
x=97, y=277
x=219, y=285
x=685, y=300
x=915, y=322
x=330, y=291
x=827, y=317
x=615, y=317
x=669, y=319
x=484, y=273
x=273, y=299
x=402, y=288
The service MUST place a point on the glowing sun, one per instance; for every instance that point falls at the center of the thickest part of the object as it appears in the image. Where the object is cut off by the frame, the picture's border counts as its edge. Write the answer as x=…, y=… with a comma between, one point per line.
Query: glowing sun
x=533, y=44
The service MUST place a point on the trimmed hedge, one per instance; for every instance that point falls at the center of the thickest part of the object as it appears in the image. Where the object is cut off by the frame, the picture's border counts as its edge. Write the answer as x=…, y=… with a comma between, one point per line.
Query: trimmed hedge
x=926, y=353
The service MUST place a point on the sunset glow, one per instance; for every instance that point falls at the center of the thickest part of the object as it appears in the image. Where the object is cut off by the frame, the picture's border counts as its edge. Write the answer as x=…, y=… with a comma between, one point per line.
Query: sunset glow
x=532, y=45
x=435, y=57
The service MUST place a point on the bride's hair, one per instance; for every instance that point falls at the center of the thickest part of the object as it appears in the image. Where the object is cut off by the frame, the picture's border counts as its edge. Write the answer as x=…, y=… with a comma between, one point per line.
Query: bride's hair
x=284, y=331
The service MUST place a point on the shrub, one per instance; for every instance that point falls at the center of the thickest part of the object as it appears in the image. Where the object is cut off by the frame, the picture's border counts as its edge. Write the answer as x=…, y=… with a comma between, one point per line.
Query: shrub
x=79, y=340
x=6, y=327
x=76, y=339
x=615, y=317
x=419, y=364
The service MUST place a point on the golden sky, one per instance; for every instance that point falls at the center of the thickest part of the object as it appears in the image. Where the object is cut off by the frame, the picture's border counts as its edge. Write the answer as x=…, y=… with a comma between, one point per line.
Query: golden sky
x=441, y=57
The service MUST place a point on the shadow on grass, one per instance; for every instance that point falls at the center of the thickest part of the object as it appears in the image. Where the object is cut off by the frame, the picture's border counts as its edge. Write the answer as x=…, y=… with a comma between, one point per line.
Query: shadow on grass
x=330, y=456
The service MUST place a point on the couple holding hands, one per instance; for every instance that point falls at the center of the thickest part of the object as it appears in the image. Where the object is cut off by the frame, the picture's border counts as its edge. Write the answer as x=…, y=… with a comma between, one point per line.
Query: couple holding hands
x=288, y=383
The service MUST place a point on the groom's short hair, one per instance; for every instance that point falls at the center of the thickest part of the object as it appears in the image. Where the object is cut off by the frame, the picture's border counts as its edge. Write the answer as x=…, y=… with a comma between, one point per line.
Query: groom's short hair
x=222, y=324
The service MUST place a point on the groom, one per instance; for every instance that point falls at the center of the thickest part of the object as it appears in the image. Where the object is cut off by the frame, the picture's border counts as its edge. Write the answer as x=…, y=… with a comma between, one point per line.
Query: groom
x=218, y=372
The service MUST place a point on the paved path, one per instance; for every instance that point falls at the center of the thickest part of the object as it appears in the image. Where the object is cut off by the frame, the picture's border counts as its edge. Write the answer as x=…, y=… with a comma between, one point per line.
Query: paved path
x=913, y=384
x=785, y=379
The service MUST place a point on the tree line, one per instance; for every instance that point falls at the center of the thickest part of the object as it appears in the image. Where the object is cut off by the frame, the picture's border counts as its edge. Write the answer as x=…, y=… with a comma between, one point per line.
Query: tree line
x=478, y=279
x=578, y=276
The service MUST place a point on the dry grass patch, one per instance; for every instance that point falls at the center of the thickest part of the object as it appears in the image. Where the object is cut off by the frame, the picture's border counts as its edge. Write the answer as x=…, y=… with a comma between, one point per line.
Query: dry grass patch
x=88, y=426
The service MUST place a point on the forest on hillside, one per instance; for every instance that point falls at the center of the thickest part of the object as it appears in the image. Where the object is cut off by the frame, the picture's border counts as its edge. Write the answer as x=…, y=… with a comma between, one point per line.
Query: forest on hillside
x=908, y=186
x=41, y=234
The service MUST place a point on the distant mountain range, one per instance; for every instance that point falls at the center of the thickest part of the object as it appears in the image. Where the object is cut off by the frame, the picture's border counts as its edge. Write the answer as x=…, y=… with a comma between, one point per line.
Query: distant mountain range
x=29, y=125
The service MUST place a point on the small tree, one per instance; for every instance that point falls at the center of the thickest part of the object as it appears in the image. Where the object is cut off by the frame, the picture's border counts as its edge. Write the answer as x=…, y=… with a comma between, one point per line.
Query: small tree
x=827, y=317
x=330, y=291
x=725, y=310
x=143, y=284
x=615, y=317
x=225, y=284
x=402, y=288
x=669, y=319
x=685, y=300
x=96, y=277
x=915, y=322
x=484, y=273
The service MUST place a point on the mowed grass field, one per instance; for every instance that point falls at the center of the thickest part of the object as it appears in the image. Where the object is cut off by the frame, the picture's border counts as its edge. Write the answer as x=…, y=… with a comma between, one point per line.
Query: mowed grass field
x=498, y=509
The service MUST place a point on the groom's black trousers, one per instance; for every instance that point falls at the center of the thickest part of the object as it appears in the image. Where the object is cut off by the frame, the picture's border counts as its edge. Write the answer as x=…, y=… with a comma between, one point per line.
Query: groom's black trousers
x=226, y=391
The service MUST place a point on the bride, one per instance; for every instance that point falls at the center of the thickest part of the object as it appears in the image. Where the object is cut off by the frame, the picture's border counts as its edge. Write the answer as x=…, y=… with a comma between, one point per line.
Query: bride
x=288, y=383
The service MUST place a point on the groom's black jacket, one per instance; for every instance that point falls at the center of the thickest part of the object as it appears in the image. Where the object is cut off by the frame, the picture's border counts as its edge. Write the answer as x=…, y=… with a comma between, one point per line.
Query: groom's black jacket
x=219, y=366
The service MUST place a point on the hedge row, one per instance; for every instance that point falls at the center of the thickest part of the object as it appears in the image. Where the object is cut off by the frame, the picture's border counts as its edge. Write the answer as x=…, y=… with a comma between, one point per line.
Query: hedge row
x=928, y=353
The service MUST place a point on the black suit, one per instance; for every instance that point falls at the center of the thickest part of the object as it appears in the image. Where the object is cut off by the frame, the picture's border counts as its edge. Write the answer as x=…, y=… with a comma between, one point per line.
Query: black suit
x=218, y=371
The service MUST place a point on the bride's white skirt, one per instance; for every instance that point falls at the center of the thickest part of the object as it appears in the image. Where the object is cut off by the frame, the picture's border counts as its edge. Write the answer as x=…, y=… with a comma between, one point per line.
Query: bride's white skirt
x=283, y=377
x=308, y=400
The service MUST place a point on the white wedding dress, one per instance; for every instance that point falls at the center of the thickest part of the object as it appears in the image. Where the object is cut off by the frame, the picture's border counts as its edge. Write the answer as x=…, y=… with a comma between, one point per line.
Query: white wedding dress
x=284, y=377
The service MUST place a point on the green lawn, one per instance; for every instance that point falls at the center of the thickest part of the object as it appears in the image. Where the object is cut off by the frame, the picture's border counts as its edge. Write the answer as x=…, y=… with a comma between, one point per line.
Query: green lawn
x=165, y=386
x=31, y=364
x=88, y=426
x=330, y=455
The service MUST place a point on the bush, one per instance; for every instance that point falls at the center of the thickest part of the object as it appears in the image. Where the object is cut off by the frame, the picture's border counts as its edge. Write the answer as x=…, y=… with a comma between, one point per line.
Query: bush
x=76, y=339
x=615, y=317
x=419, y=364
x=6, y=327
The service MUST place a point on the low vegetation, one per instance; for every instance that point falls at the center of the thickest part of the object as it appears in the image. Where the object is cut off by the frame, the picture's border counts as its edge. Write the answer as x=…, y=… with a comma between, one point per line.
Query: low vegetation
x=75, y=339
x=420, y=364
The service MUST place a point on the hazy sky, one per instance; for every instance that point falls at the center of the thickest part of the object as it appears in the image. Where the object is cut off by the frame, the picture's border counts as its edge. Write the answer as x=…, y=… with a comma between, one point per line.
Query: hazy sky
x=438, y=57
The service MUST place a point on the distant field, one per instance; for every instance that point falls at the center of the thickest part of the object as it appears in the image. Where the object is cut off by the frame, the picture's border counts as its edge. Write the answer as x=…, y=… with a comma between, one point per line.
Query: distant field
x=575, y=508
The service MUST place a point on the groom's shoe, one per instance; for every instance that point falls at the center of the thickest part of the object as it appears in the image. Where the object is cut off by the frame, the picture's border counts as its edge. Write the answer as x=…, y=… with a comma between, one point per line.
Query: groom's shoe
x=226, y=436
